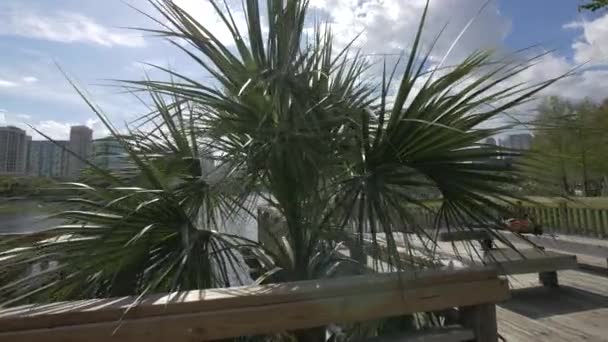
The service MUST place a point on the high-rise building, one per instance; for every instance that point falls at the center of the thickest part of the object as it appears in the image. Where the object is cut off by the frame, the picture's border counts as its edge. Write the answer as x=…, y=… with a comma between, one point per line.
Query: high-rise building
x=35, y=159
x=60, y=160
x=13, y=150
x=48, y=159
x=109, y=154
x=28, y=151
x=80, y=144
x=520, y=141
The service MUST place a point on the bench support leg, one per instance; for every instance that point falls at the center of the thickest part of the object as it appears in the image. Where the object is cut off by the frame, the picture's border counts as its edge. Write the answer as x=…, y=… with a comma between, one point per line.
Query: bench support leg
x=548, y=279
x=482, y=320
x=486, y=245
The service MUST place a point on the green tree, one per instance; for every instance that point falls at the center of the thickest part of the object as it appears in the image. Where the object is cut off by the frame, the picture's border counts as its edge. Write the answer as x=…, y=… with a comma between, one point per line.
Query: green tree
x=570, y=143
x=293, y=121
x=20, y=186
x=553, y=142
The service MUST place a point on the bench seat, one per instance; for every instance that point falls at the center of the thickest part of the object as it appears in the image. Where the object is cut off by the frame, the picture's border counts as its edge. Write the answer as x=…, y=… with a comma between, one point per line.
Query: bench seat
x=529, y=261
x=465, y=235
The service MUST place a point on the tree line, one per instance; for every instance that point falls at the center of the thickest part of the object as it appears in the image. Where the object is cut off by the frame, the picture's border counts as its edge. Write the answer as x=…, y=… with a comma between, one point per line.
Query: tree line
x=570, y=146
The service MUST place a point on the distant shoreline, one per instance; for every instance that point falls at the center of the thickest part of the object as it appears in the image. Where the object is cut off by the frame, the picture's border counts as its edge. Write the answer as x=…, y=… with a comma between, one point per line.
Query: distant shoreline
x=24, y=215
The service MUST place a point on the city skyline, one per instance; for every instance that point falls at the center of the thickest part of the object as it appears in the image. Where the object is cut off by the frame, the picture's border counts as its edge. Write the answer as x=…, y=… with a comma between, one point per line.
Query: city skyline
x=22, y=156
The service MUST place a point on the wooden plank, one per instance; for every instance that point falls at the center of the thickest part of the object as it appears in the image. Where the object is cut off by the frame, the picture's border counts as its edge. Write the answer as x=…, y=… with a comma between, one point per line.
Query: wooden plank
x=452, y=334
x=598, y=223
x=261, y=319
x=569, y=219
x=529, y=261
x=100, y=310
x=381, y=253
x=525, y=260
x=604, y=214
x=555, y=218
x=592, y=247
x=575, y=312
x=587, y=222
x=465, y=235
x=519, y=328
x=547, y=217
x=563, y=218
x=580, y=220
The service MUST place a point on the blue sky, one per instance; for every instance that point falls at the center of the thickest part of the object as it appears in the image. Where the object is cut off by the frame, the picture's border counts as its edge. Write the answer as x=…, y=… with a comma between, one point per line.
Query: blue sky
x=85, y=37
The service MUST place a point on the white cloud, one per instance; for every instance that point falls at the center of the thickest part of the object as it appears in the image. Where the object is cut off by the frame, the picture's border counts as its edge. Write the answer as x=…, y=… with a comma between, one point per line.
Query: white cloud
x=57, y=92
x=390, y=25
x=205, y=13
x=29, y=79
x=4, y=83
x=64, y=27
x=56, y=130
x=7, y=84
x=386, y=26
x=53, y=129
x=592, y=45
x=99, y=129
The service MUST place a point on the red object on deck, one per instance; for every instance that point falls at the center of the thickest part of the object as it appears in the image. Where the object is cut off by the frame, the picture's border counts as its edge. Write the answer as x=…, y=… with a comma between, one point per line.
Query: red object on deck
x=520, y=225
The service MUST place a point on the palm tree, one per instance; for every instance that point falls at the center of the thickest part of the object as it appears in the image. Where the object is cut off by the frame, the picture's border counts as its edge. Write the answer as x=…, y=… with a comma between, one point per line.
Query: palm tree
x=294, y=122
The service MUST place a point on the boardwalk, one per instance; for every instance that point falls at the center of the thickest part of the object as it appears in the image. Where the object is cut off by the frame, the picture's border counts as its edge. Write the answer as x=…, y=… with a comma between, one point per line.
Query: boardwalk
x=576, y=311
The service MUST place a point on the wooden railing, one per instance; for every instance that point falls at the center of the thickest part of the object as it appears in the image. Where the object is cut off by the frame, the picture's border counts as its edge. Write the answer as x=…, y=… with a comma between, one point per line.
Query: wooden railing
x=579, y=216
x=253, y=310
x=587, y=216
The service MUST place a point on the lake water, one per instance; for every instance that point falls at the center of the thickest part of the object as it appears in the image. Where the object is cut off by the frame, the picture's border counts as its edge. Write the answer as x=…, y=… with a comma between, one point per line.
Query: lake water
x=24, y=216
x=27, y=216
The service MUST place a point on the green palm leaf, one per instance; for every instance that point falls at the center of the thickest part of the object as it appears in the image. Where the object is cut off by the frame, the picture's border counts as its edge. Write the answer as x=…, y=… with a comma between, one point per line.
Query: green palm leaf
x=293, y=121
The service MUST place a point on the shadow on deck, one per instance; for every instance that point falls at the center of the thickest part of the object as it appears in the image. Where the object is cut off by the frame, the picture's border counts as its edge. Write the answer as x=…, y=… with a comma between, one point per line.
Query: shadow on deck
x=542, y=302
x=576, y=311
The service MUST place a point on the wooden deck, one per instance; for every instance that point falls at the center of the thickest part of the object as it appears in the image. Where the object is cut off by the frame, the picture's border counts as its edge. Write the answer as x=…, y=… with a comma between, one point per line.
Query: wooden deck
x=576, y=311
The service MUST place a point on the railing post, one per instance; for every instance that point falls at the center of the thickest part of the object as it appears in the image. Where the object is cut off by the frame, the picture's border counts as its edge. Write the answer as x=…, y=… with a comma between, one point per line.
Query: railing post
x=587, y=225
x=580, y=223
x=563, y=218
x=604, y=214
x=598, y=222
x=482, y=320
x=555, y=218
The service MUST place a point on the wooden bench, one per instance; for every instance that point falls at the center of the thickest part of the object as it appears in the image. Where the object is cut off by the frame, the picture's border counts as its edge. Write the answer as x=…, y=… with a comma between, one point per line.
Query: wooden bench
x=483, y=236
x=253, y=310
x=380, y=252
x=594, y=248
x=510, y=262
